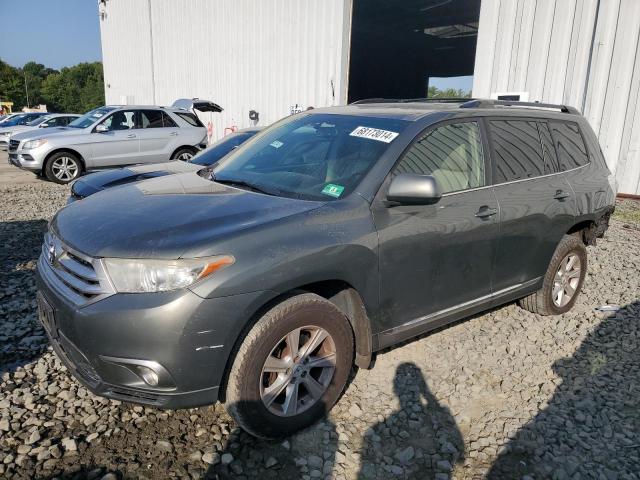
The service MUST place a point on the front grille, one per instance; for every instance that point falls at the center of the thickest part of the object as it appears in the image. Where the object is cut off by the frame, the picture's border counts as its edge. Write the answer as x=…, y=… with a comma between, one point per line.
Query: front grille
x=81, y=278
x=13, y=145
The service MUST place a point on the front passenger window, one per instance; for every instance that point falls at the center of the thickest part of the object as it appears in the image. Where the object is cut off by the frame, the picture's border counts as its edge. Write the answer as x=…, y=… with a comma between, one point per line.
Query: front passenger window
x=121, y=120
x=452, y=154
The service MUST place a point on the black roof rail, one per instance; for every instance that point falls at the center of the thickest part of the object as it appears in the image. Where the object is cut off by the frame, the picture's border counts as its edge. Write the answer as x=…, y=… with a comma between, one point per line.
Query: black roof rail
x=490, y=103
x=409, y=100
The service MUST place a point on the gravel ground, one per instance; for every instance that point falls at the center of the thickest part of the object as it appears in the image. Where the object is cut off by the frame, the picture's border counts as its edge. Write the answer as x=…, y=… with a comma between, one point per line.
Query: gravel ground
x=507, y=394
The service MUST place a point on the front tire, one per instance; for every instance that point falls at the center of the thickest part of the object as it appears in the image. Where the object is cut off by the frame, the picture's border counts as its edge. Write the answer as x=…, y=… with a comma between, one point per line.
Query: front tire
x=291, y=367
x=563, y=280
x=63, y=167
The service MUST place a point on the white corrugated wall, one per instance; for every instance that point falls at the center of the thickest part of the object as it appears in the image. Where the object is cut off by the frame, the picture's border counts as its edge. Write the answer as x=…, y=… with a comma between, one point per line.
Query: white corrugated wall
x=555, y=49
x=266, y=55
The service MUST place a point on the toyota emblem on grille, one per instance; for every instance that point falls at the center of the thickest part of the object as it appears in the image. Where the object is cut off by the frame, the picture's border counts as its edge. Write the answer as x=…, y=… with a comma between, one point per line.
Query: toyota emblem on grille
x=51, y=253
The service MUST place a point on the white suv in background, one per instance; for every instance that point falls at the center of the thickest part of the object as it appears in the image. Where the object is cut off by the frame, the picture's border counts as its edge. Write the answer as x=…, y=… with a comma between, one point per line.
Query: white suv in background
x=113, y=135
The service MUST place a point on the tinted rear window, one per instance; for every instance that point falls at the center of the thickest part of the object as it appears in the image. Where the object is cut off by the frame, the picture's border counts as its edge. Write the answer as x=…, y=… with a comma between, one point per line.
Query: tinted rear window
x=551, y=164
x=572, y=152
x=518, y=151
x=190, y=118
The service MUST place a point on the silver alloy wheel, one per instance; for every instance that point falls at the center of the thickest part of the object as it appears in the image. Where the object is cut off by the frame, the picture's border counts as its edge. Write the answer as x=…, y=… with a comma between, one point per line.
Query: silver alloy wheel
x=566, y=280
x=64, y=168
x=298, y=371
x=186, y=156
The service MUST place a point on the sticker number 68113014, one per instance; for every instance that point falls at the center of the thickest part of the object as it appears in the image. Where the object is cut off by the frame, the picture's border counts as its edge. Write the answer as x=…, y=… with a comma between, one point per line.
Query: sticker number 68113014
x=374, y=134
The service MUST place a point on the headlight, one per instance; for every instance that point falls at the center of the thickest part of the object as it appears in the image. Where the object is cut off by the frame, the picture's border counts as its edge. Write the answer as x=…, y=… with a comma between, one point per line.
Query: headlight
x=34, y=144
x=141, y=275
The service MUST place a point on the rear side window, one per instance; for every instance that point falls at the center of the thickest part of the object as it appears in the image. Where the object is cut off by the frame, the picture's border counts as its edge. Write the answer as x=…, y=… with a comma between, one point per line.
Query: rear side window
x=551, y=164
x=190, y=118
x=151, y=119
x=167, y=121
x=518, y=151
x=572, y=152
x=452, y=154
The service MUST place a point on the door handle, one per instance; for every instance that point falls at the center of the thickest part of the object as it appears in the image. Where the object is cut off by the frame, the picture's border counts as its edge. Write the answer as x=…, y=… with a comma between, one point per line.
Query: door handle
x=561, y=195
x=174, y=134
x=486, y=212
x=131, y=135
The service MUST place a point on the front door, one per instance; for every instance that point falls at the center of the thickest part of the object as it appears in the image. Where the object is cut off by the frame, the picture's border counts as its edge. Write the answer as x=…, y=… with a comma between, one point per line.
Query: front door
x=119, y=145
x=438, y=258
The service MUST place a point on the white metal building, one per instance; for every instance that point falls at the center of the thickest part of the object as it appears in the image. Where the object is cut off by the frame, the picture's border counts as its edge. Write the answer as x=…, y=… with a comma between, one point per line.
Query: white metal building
x=280, y=56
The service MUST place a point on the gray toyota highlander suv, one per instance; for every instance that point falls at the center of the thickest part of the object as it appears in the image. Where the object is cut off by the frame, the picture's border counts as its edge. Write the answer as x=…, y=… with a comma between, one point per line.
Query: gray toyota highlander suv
x=328, y=236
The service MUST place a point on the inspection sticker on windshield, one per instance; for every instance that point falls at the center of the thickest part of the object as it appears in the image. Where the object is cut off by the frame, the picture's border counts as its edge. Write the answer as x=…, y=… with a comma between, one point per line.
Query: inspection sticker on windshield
x=276, y=144
x=374, y=134
x=333, y=190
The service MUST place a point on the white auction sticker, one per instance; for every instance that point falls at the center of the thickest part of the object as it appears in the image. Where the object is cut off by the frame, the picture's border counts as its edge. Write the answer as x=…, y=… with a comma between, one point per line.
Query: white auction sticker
x=374, y=134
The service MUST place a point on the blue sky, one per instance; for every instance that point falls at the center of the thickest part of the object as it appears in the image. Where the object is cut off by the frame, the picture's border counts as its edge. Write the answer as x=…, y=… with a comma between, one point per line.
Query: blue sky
x=56, y=33
x=464, y=83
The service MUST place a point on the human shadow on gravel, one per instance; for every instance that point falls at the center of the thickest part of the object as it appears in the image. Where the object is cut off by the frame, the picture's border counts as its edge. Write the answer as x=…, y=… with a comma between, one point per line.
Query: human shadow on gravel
x=421, y=439
x=311, y=452
x=21, y=337
x=591, y=426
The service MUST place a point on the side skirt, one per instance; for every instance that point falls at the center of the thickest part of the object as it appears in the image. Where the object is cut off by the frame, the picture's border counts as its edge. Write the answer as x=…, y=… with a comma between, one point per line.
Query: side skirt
x=438, y=319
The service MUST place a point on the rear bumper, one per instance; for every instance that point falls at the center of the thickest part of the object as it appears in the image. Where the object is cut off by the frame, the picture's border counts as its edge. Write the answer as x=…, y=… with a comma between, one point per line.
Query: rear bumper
x=184, y=338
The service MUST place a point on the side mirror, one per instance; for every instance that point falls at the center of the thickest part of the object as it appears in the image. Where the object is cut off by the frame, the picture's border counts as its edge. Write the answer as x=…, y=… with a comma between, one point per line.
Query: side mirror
x=410, y=188
x=43, y=125
x=102, y=128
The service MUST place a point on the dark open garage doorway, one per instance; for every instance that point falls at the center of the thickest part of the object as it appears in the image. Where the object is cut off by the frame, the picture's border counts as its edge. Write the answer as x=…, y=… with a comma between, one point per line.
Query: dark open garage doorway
x=397, y=46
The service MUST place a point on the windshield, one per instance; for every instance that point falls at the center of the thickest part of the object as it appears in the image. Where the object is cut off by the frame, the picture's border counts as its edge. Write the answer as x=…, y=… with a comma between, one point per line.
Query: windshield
x=219, y=149
x=90, y=118
x=37, y=121
x=17, y=120
x=312, y=156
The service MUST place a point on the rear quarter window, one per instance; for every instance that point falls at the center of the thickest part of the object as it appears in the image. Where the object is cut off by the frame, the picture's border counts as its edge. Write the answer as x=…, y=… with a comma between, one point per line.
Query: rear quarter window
x=190, y=118
x=572, y=151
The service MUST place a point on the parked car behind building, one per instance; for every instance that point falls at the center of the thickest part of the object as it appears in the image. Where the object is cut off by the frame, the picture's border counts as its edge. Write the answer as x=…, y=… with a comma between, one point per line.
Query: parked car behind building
x=96, y=182
x=111, y=136
x=333, y=234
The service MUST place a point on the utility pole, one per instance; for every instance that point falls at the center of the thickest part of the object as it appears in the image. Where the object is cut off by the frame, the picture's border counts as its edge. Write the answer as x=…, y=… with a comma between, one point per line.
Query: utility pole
x=26, y=89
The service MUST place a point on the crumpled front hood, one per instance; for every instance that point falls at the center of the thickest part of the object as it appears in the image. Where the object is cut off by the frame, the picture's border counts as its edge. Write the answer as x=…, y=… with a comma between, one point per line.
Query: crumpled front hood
x=95, y=182
x=166, y=217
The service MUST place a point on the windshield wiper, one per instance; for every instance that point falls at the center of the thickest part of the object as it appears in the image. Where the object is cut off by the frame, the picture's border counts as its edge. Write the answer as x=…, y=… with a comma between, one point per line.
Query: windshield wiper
x=239, y=183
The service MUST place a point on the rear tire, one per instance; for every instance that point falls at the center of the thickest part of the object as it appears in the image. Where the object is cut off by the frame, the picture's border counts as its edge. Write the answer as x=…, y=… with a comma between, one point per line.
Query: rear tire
x=63, y=167
x=184, y=153
x=265, y=364
x=563, y=280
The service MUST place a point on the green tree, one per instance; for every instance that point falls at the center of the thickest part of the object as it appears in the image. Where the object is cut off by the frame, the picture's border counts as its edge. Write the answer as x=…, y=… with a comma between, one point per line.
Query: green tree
x=435, y=92
x=76, y=89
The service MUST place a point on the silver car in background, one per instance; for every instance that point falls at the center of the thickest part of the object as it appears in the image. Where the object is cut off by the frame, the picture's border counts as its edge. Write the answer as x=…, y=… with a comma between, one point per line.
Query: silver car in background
x=113, y=136
x=44, y=121
x=16, y=122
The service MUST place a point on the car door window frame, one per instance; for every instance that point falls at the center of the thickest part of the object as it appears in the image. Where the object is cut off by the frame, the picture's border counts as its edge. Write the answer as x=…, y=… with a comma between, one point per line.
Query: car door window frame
x=493, y=150
x=136, y=120
x=490, y=139
x=382, y=191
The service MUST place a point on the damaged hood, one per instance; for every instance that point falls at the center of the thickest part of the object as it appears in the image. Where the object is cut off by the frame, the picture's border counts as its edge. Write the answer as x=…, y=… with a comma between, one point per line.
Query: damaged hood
x=167, y=217
x=95, y=182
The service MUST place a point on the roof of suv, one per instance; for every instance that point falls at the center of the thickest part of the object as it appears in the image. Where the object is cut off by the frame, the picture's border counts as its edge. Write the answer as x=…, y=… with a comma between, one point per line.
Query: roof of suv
x=414, y=109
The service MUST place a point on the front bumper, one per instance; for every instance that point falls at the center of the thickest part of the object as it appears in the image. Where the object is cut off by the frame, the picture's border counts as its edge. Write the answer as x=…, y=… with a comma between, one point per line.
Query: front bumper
x=186, y=338
x=31, y=160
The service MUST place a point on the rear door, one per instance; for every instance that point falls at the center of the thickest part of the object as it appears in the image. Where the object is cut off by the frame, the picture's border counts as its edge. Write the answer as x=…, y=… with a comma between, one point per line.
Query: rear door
x=438, y=258
x=537, y=205
x=158, y=134
x=119, y=145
